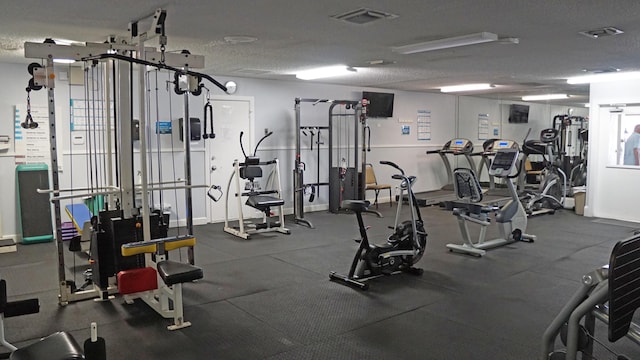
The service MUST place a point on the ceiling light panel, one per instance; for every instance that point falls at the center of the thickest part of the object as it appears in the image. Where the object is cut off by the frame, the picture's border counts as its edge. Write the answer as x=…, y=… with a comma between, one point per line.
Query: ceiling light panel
x=239, y=39
x=466, y=87
x=545, y=97
x=325, y=72
x=464, y=40
x=613, y=76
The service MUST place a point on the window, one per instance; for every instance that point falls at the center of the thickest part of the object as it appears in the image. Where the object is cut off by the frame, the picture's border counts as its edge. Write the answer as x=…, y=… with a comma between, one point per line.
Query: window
x=624, y=122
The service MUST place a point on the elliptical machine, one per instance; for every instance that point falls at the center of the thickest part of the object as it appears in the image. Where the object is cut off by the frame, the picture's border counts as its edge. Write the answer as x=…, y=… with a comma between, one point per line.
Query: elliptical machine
x=552, y=190
x=403, y=249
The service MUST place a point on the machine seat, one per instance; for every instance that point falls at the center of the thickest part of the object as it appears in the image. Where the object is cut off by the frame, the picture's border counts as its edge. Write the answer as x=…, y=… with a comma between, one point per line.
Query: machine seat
x=58, y=346
x=467, y=208
x=264, y=202
x=624, y=276
x=467, y=186
x=356, y=205
x=173, y=272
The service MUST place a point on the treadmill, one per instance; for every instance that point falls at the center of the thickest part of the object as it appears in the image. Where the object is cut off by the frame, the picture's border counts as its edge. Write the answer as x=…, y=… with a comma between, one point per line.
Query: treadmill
x=456, y=147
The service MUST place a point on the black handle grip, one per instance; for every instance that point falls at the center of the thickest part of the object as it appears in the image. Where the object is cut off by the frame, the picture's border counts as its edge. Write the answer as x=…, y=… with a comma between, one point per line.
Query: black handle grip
x=392, y=164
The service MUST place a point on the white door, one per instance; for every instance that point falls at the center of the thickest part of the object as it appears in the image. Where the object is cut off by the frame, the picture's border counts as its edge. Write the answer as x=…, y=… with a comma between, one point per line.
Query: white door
x=231, y=115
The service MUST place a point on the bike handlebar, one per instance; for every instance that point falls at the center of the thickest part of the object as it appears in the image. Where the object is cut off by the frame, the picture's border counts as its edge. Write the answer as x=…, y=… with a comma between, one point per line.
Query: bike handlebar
x=384, y=162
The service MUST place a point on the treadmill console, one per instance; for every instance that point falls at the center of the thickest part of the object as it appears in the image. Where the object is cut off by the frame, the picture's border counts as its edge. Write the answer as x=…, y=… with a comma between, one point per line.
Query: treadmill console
x=459, y=145
x=504, y=162
x=502, y=144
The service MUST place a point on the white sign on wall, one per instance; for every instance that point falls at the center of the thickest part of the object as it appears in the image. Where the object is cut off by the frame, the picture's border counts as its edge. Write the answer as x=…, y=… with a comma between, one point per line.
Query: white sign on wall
x=424, y=124
x=32, y=145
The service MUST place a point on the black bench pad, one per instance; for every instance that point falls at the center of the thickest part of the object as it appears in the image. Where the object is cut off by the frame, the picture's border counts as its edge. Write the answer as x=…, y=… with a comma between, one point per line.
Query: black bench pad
x=173, y=272
x=262, y=202
x=58, y=346
x=355, y=205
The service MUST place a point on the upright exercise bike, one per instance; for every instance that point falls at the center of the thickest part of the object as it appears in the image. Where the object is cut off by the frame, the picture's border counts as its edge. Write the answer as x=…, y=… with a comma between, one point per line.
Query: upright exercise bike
x=403, y=249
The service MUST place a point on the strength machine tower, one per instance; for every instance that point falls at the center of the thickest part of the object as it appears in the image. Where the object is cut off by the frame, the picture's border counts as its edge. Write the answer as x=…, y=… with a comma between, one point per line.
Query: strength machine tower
x=123, y=235
x=348, y=133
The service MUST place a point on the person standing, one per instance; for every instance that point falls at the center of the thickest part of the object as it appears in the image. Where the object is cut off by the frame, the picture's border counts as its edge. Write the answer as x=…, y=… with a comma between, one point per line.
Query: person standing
x=632, y=148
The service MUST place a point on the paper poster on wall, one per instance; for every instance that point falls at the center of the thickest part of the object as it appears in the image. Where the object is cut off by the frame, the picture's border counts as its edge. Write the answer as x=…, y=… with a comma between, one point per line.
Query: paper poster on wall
x=83, y=113
x=424, y=124
x=483, y=126
x=32, y=145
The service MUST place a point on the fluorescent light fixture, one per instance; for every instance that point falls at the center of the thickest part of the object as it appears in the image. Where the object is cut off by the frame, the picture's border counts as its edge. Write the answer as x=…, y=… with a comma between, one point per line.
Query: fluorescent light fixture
x=466, y=87
x=545, y=97
x=325, y=72
x=613, y=76
x=64, y=61
x=464, y=40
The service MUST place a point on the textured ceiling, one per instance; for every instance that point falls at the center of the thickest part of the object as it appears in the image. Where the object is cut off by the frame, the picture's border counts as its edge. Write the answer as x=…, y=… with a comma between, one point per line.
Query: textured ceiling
x=297, y=35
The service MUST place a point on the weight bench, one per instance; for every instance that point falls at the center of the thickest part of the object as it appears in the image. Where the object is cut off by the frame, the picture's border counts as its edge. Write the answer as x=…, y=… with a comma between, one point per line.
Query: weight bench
x=610, y=294
x=264, y=203
x=58, y=346
x=143, y=282
x=261, y=200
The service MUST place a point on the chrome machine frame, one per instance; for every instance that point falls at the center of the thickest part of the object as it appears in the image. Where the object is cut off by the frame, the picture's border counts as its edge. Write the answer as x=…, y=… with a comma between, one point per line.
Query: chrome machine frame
x=124, y=53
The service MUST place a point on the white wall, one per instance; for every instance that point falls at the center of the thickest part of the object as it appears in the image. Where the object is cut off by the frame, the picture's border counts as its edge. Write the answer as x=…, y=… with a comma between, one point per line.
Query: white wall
x=451, y=116
x=12, y=92
x=612, y=191
x=274, y=107
x=73, y=158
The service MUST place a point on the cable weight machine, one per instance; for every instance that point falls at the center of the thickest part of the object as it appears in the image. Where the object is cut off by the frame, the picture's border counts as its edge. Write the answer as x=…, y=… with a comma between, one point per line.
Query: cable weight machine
x=345, y=166
x=127, y=216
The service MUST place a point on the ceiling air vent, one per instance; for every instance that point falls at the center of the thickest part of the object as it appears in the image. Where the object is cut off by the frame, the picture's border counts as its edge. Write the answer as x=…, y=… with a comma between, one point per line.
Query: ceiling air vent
x=605, y=31
x=364, y=16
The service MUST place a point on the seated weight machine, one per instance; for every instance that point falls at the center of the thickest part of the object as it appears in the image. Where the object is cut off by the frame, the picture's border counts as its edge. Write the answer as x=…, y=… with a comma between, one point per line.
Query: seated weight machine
x=142, y=282
x=261, y=200
x=348, y=135
x=511, y=217
x=57, y=346
x=609, y=294
x=128, y=214
x=10, y=309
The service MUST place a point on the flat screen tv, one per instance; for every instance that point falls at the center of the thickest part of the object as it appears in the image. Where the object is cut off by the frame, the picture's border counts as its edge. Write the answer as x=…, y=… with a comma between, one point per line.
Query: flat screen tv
x=380, y=104
x=518, y=113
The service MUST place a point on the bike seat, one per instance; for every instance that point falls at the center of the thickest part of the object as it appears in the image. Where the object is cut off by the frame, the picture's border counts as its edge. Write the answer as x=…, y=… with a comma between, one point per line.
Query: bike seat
x=356, y=205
